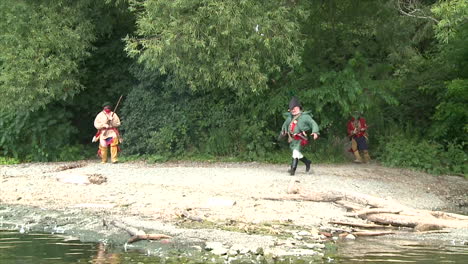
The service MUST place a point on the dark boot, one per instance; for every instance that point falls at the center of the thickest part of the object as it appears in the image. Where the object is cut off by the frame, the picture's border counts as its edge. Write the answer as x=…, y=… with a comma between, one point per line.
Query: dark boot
x=292, y=171
x=307, y=163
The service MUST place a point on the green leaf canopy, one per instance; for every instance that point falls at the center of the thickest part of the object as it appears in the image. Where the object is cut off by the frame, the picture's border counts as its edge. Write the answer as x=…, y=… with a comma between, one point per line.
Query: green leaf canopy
x=215, y=44
x=42, y=44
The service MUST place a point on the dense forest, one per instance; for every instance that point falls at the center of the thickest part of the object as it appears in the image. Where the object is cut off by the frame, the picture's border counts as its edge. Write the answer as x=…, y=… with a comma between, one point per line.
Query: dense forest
x=212, y=79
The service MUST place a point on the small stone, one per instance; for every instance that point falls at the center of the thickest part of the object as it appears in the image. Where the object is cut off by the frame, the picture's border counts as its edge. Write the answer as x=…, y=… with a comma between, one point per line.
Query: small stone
x=303, y=233
x=233, y=252
x=343, y=235
x=326, y=234
x=314, y=230
x=213, y=245
x=198, y=248
x=258, y=251
x=220, y=251
x=244, y=251
x=350, y=236
x=302, y=252
x=316, y=246
x=237, y=247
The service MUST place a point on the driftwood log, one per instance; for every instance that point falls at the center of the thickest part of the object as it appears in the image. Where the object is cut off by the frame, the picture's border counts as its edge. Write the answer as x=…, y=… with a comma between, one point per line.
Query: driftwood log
x=137, y=234
x=381, y=212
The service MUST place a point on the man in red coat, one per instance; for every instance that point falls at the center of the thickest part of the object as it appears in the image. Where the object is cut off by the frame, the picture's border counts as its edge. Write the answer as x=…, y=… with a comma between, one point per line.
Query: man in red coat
x=357, y=132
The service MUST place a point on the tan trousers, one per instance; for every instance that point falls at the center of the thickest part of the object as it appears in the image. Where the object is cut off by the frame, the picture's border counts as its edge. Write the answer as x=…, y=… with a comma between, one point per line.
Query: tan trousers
x=114, y=152
x=357, y=156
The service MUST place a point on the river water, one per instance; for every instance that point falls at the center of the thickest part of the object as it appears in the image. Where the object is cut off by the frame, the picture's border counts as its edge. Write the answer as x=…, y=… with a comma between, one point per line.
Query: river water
x=35, y=248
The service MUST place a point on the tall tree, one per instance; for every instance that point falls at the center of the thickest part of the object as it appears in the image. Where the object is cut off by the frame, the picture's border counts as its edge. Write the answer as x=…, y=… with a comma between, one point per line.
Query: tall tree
x=450, y=120
x=58, y=62
x=228, y=45
x=42, y=44
x=353, y=52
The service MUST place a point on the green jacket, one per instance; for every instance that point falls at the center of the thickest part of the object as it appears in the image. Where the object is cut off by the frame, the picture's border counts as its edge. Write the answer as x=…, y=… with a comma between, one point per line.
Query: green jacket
x=304, y=123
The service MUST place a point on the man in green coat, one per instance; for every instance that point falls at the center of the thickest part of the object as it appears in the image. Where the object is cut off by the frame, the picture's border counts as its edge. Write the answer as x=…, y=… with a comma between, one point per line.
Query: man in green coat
x=296, y=126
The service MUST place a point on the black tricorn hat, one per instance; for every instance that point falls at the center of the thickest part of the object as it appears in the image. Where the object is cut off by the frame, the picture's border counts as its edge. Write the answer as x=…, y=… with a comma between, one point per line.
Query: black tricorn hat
x=294, y=102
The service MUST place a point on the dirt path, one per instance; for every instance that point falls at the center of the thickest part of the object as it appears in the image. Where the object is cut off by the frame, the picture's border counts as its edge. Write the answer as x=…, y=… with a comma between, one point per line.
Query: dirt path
x=161, y=194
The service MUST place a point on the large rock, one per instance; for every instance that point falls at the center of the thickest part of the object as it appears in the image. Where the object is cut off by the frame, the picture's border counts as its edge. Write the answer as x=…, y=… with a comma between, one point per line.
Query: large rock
x=216, y=248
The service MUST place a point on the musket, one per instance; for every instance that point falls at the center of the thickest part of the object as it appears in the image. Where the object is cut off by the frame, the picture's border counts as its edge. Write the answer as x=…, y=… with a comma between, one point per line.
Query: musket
x=117, y=105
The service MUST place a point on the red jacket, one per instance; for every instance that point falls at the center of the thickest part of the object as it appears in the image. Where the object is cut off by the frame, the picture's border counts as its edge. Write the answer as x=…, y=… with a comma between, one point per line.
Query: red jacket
x=357, y=128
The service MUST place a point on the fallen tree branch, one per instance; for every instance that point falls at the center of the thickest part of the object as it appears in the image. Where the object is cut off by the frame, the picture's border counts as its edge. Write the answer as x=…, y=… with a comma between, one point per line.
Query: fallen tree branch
x=416, y=218
x=314, y=197
x=380, y=211
x=147, y=237
x=349, y=205
x=368, y=233
x=359, y=224
x=138, y=234
x=445, y=215
x=363, y=213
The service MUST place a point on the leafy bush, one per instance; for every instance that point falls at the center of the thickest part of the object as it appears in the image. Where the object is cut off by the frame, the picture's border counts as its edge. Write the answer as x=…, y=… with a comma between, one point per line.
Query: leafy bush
x=44, y=135
x=429, y=156
x=152, y=125
x=8, y=161
x=330, y=149
x=160, y=120
x=451, y=116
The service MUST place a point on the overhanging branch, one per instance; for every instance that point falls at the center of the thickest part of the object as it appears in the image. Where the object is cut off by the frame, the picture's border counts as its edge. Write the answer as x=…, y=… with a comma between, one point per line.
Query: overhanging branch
x=410, y=8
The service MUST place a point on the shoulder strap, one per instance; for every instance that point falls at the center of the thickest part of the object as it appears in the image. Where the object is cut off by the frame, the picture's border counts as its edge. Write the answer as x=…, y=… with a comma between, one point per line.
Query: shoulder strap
x=289, y=132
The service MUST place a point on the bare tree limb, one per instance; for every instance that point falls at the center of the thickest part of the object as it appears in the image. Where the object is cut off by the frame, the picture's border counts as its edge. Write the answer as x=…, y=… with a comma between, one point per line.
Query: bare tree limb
x=408, y=8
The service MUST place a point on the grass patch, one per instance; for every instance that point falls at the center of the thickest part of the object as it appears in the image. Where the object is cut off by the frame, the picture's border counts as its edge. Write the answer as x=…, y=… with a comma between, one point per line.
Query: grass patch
x=274, y=228
x=8, y=161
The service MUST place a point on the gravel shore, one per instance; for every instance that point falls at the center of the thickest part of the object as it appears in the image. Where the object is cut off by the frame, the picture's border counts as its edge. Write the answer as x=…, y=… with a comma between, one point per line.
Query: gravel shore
x=159, y=197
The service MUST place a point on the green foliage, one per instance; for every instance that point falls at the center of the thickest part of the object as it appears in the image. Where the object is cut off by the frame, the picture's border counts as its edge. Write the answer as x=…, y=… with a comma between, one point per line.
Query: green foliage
x=212, y=78
x=8, y=161
x=331, y=149
x=44, y=135
x=237, y=46
x=160, y=121
x=151, y=125
x=347, y=62
x=451, y=116
x=409, y=152
x=43, y=43
x=453, y=14
x=106, y=72
x=55, y=50
x=431, y=80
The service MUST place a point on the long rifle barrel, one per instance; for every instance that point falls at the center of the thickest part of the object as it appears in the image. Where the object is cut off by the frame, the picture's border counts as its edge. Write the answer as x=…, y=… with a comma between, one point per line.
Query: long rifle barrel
x=117, y=105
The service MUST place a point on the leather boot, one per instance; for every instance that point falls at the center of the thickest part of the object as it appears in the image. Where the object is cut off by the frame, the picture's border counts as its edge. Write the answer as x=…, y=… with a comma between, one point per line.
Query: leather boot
x=114, y=151
x=103, y=154
x=307, y=163
x=292, y=171
x=357, y=156
x=367, y=158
